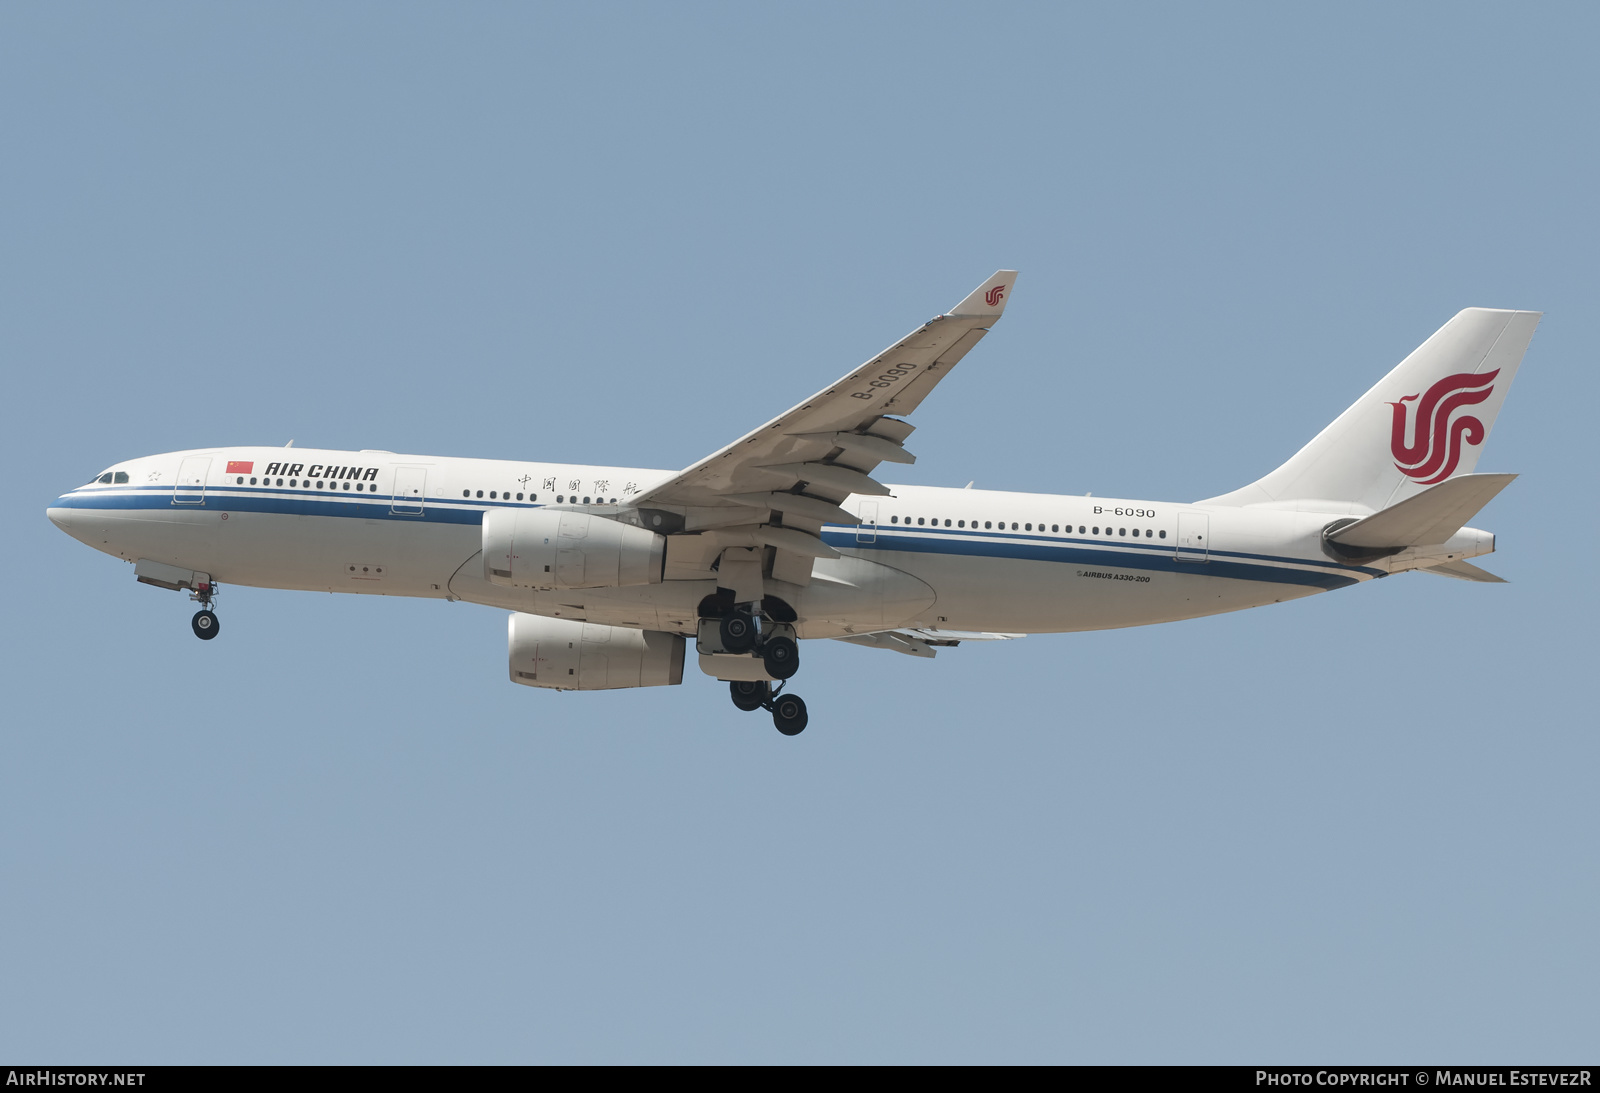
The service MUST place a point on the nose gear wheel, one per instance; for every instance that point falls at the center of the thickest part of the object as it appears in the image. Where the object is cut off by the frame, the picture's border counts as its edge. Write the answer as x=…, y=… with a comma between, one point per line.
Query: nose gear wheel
x=205, y=625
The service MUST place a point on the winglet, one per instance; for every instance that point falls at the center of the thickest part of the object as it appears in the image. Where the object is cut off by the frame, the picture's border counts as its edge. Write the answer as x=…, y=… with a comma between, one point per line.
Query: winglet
x=988, y=299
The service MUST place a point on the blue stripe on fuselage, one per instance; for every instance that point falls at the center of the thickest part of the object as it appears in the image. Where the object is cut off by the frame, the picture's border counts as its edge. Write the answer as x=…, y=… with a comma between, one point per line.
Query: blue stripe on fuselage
x=1088, y=552
x=286, y=502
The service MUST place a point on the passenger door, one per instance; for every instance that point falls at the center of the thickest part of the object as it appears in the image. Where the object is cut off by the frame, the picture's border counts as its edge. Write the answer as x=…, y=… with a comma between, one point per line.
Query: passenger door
x=190, y=489
x=867, y=530
x=1194, y=529
x=410, y=489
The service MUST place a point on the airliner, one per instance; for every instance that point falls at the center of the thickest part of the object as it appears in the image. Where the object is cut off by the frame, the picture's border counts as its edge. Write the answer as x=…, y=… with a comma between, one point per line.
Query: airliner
x=609, y=573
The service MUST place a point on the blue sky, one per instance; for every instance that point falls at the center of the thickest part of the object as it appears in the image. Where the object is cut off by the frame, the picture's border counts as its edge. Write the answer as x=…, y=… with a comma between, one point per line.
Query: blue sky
x=1359, y=827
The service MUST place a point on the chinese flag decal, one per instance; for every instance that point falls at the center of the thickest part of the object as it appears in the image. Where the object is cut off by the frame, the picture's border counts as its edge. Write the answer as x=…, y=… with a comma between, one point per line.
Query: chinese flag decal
x=239, y=466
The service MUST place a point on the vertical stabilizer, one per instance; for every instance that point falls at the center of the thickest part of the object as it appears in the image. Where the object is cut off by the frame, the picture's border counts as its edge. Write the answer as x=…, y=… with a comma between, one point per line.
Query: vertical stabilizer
x=1424, y=422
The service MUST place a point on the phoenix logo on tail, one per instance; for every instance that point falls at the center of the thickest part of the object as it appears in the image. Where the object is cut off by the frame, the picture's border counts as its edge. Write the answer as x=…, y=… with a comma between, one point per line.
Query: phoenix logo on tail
x=1436, y=437
x=993, y=296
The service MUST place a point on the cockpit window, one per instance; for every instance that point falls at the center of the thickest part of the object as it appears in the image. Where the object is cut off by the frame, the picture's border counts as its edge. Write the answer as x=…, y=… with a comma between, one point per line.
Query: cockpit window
x=104, y=479
x=121, y=477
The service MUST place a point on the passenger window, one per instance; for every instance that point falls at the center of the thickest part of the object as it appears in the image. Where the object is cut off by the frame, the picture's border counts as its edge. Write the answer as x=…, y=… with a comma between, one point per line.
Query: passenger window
x=1122, y=531
x=480, y=493
x=988, y=523
x=293, y=482
x=1163, y=534
x=947, y=523
x=347, y=485
x=1055, y=528
x=533, y=497
x=519, y=497
x=919, y=520
x=1097, y=531
x=585, y=500
x=466, y=493
x=493, y=495
x=239, y=481
x=961, y=523
x=280, y=481
x=1027, y=527
x=894, y=519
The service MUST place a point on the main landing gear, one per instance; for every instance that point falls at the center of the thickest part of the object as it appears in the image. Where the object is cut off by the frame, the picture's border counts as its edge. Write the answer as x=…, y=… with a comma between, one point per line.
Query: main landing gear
x=754, y=639
x=204, y=623
x=742, y=633
x=788, y=711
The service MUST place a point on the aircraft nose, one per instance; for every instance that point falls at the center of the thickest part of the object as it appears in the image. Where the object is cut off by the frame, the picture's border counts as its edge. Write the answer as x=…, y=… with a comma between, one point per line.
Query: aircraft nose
x=61, y=518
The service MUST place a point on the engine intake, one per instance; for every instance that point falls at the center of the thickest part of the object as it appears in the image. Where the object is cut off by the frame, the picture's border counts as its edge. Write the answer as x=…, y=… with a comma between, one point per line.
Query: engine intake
x=580, y=656
x=543, y=548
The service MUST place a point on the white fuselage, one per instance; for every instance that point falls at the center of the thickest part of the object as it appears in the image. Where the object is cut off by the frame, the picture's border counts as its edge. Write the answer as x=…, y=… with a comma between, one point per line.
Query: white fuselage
x=951, y=559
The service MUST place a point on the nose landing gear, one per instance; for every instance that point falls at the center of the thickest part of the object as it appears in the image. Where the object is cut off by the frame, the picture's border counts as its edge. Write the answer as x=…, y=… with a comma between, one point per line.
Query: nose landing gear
x=788, y=711
x=204, y=623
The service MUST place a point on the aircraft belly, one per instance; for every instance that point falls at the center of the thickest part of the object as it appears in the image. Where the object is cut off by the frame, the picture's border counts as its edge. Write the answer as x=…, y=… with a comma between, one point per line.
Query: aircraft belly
x=855, y=594
x=342, y=554
x=846, y=595
x=185, y=537
x=308, y=553
x=1013, y=595
x=670, y=606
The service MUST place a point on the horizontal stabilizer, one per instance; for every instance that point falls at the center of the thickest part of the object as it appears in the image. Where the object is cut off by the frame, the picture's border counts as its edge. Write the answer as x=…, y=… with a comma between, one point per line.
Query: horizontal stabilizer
x=920, y=643
x=1432, y=516
x=893, y=640
x=1464, y=571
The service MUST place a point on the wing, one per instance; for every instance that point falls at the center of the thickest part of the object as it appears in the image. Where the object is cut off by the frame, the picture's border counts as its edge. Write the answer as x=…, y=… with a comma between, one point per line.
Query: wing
x=779, y=484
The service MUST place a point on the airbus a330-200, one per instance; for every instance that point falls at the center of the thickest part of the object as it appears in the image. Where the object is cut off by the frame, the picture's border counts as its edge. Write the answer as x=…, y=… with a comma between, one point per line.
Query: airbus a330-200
x=789, y=533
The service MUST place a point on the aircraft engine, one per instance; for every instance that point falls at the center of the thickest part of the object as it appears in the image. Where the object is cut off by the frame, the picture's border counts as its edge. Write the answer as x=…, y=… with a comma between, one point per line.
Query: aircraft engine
x=541, y=548
x=582, y=656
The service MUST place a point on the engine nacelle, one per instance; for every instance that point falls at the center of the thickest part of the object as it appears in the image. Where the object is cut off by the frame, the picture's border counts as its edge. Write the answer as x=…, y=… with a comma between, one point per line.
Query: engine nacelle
x=584, y=656
x=541, y=548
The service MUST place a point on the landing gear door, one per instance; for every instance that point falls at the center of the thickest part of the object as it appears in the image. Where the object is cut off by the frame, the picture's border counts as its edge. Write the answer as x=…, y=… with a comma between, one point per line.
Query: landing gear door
x=191, y=485
x=867, y=530
x=1194, y=533
x=410, y=487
